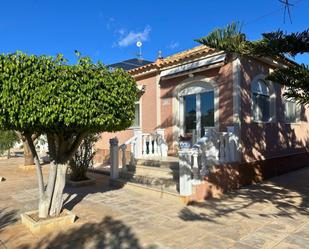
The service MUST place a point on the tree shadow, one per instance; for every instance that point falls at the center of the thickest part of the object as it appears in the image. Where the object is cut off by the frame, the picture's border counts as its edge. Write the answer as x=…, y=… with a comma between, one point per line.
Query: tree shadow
x=7, y=217
x=107, y=233
x=75, y=195
x=286, y=196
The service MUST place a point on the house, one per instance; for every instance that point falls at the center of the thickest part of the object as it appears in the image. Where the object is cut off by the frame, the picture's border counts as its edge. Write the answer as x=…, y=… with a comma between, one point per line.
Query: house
x=201, y=91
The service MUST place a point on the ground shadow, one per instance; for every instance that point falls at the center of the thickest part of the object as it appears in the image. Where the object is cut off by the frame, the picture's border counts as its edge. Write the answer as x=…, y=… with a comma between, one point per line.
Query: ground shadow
x=75, y=195
x=7, y=217
x=107, y=233
x=287, y=195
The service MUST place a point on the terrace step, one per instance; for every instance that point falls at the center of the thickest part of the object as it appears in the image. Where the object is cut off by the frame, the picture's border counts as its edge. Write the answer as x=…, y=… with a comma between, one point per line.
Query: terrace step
x=159, y=162
x=157, y=172
x=162, y=184
x=151, y=192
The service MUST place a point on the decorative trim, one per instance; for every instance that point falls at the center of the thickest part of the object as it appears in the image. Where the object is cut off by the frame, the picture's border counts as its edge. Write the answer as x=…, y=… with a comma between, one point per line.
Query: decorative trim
x=192, y=65
x=177, y=102
x=158, y=100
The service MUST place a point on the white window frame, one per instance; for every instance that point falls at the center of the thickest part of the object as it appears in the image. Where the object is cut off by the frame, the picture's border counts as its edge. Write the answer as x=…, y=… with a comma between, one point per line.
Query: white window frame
x=297, y=110
x=272, y=100
x=140, y=116
x=197, y=89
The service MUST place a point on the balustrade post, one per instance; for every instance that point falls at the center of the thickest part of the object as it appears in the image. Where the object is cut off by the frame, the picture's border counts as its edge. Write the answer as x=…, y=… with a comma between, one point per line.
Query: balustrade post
x=185, y=184
x=124, y=160
x=222, y=148
x=139, y=142
x=195, y=169
x=133, y=153
x=150, y=145
x=114, y=167
x=155, y=144
x=163, y=146
x=144, y=139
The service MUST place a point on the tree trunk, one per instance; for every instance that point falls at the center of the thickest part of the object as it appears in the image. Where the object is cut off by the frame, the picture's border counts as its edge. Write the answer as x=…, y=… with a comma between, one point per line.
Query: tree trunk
x=57, y=197
x=45, y=201
x=43, y=204
x=29, y=160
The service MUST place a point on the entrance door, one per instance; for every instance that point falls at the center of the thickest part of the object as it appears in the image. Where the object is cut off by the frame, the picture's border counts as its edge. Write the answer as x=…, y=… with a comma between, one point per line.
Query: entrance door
x=198, y=114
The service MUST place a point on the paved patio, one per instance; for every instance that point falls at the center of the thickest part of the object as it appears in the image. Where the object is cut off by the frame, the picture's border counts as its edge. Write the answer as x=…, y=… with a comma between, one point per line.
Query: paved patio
x=271, y=215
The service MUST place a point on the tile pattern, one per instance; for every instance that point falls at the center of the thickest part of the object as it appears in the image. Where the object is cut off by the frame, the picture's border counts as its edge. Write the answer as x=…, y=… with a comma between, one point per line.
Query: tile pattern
x=269, y=215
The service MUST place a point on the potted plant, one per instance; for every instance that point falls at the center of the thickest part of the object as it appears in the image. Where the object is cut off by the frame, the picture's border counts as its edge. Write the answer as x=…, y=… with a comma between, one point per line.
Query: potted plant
x=185, y=142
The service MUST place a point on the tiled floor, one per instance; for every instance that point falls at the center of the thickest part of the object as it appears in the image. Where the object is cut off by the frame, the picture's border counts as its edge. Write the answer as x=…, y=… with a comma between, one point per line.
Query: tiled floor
x=274, y=214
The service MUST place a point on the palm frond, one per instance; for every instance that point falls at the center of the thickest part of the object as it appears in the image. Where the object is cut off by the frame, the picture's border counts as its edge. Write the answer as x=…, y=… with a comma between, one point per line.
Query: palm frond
x=229, y=39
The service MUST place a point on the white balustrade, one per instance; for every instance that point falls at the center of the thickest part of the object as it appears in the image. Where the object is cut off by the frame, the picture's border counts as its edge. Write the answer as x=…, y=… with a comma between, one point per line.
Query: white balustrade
x=144, y=145
x=196, y=162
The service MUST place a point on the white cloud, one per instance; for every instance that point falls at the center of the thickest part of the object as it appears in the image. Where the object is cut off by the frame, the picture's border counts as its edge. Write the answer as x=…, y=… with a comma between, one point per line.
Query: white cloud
x=110, y=23
x=127, y=39
x=121, y=31
x=173, y=45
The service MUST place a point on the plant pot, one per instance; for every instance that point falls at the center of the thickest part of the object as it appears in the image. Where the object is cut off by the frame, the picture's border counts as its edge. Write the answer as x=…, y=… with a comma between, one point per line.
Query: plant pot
x=30, y=220
x=87, y=182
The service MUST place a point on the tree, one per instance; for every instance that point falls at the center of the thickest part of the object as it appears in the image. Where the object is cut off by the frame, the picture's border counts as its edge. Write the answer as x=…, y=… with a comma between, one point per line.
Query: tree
x=45, y=95
x=7, y=141
x=277, y=45
x=29, y=159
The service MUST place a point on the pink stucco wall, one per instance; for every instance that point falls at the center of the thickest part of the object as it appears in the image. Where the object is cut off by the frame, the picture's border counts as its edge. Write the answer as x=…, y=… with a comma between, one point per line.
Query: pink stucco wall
x=147, y=114
x=223, y=76
x=268, y=140
x=259, y=140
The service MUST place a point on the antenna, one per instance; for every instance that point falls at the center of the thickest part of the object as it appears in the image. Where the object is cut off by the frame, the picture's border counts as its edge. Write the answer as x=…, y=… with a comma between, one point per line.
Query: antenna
x=139, y=44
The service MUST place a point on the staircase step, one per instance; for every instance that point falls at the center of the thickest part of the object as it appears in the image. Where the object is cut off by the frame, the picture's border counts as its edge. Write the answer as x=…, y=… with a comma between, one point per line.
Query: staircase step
x=154, y=171
x=159, y=183
x=162, y=162
x=144, y=189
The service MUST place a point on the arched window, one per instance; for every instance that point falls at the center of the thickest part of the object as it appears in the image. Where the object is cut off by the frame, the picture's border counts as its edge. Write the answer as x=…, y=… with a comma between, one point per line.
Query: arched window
x=262, y=101
x=197, y=109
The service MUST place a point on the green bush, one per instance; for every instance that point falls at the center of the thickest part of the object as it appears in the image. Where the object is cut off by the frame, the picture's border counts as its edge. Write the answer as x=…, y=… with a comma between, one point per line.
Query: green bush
x=83, y=158
x=7, y=141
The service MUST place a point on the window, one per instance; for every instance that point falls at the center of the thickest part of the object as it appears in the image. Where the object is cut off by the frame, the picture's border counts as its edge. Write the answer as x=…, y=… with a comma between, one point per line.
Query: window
x=207, y=110
x=137, y=115
x=190, y=113
x=198, y=113
x=261, y=99
x=291, y=112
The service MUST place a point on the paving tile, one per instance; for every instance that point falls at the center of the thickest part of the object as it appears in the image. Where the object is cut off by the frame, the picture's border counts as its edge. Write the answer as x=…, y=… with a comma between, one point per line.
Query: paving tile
x=294, y=241
x=272, y=214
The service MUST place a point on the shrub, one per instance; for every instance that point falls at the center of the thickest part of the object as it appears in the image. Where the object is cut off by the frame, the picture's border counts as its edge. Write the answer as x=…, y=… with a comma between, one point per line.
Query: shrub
x=83, y=158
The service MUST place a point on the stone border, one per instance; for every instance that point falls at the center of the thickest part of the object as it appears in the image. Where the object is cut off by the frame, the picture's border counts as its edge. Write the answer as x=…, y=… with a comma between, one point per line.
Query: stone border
x=83, y=183
x=27, y=167
x=50, y=224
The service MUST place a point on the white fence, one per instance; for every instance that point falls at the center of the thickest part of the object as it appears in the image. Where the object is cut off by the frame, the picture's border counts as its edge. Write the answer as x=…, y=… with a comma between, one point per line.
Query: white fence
x=196, y=162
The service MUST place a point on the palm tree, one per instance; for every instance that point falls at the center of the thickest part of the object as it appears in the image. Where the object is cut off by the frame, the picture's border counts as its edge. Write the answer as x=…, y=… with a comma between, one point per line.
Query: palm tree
x=275, y=45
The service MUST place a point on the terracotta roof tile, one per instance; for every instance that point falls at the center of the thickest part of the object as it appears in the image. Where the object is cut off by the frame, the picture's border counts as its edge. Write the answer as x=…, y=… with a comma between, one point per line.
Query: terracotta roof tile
x=175, y=58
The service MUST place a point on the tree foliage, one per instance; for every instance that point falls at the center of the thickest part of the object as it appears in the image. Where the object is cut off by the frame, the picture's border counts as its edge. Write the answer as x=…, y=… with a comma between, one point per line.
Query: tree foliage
x=46, y=95
x=7, y=140
x=276, y=45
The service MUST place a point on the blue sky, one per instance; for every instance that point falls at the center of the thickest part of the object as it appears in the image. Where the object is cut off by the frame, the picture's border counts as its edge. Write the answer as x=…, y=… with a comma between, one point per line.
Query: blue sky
x=108, y=30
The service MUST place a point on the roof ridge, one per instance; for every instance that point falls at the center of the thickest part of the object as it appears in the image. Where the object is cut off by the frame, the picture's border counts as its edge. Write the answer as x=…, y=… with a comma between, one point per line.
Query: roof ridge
x=196, y=48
